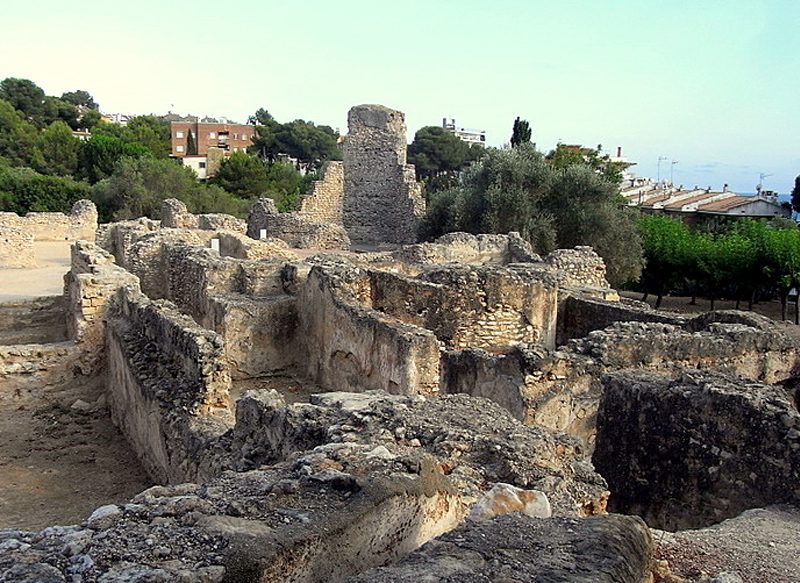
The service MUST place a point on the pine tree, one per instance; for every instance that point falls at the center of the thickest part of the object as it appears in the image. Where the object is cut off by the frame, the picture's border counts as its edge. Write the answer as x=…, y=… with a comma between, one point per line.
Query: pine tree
x=796, y=195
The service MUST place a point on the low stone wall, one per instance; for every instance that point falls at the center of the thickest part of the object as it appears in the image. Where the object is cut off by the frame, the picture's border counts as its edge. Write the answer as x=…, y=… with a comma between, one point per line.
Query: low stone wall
x=92, y=281
x=175, y=215
x=350, y=347
x=579, y=315
x=79, y=224
x=293, y=228
x=470, y=249
x=323, y=203
x=239, y=246
x=168, y=386
x=697, y=449
x=581, y=266
x=16, y=248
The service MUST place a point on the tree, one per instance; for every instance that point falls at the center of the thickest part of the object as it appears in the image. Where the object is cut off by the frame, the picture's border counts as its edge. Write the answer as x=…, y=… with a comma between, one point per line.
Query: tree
x=249, y=177
x=138, y=186
x=17, y=136
x=54, y=109
x=24, y=96
x=58, y=150
x=521, y=133
x=99, y=155
x=23, y=190
x=89, y=119
x=145, y=131
x=437, y=153
x=516, y=189
x=796, y=195
x=311, y=145
x=80, y=98
x=191, y=144
x=564, y=156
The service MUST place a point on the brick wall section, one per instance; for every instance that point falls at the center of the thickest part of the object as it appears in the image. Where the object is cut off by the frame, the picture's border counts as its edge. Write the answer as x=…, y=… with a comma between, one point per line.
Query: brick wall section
x=323, y=203
x=382, y=199
x=79, y=224
x=16, y=247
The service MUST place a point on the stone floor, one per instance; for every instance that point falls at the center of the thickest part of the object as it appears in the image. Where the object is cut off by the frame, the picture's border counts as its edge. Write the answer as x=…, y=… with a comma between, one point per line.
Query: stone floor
x=46, y=279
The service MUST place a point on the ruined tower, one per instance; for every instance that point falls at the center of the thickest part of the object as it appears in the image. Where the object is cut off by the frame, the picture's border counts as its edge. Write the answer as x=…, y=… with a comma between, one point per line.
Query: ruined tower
x=382, y=199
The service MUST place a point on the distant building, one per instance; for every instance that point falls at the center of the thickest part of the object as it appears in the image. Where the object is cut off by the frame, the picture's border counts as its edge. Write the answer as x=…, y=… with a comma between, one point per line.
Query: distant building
x=208, y=134
x=466, y=134
x=117, y=118
x=694, y=205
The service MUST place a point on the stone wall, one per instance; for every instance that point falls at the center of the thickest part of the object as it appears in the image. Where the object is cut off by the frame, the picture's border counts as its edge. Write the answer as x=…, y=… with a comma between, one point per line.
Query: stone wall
x=467, y=248
x=578, y=315
x=16, y=247
x=382, y=199
x=323, y=203
x=292, y=228
x=349, y=347
x=483, y=307
x=581, y=266
x=697, y=449
x=168, y=386
x=92, y=281
x=175, y=215
x=79, y=224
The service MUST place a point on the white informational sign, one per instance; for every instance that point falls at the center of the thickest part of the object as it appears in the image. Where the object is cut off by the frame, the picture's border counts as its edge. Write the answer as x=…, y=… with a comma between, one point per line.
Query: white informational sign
x=215, y=245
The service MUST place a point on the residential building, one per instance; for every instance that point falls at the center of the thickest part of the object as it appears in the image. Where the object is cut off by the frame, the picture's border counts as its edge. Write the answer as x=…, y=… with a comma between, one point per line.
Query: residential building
x=695, y=205
x=230, y=137
x=468, y=135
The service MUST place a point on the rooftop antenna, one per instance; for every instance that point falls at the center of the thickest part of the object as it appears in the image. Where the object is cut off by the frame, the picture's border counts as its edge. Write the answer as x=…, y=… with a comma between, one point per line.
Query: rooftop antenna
x=760, y=185
x=660, y=159
x=671, y=168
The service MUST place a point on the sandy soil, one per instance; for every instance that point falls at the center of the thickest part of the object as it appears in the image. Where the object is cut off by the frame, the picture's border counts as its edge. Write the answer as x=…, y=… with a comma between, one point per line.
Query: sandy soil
x=60, y=455
x=46, y=279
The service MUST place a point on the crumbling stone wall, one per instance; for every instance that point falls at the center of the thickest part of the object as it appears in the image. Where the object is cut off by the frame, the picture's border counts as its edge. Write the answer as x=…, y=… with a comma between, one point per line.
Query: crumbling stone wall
x=382, y=199
x=239, y=246
x=481, y=307
x=323, y=203
x=349, y=347
x=92, y=281
x=79, y=224
x=293, y=228
x=578, y=315
x=168, y=386
x=697, y=449
x=16, y=247
x=471, y=249
x=175, y=215
x=581, y=266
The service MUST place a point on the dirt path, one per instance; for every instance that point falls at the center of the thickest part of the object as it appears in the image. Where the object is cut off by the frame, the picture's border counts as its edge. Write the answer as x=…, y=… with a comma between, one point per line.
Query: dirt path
x=60, y=455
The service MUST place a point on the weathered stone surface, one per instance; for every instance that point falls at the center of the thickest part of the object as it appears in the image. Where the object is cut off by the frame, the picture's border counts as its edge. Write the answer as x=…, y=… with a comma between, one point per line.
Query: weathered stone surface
x=16, y=247
x=293, y=228
x=695, y=447
x=323, y=203
x=79, y=224
x=382, y=199
x=471, y=249
x=514, y=547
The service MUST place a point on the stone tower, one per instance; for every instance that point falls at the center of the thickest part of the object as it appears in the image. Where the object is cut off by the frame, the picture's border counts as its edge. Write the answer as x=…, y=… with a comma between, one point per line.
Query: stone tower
x=382, y=199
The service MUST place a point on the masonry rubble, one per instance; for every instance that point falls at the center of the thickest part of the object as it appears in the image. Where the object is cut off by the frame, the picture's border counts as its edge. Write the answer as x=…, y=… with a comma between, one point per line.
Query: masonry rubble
x=474, y=404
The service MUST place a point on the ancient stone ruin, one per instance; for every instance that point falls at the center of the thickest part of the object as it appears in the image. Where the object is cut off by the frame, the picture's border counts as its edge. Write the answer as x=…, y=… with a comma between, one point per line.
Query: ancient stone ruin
x=457, y=410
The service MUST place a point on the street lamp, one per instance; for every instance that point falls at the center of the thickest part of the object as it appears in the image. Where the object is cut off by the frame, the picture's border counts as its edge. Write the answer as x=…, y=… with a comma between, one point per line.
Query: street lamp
x=671, y=168
x=660, y=159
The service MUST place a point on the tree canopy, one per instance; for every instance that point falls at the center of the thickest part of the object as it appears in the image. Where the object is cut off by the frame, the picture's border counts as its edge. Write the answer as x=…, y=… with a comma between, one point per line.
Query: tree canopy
x=516, y=189
x=439, y=155
x=80, y=98
x=311, y=145
x=796, y=195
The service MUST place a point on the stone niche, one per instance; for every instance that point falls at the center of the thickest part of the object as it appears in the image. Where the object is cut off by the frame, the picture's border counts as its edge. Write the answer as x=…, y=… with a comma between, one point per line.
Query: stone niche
x=382, y=199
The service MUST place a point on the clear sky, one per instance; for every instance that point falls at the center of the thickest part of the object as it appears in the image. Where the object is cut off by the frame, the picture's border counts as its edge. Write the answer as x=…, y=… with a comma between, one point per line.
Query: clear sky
x=713, y=84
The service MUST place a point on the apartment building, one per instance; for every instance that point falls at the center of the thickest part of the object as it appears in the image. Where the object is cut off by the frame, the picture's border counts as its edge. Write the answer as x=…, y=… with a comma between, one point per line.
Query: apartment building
x=229, y=137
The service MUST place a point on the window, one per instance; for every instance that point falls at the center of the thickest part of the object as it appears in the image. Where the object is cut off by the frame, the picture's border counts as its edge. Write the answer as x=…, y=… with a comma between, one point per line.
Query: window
x=244, y=136
x=212, y=135
x=201, y=165
x=179, y=148
x=235, y=136
x=179, y=135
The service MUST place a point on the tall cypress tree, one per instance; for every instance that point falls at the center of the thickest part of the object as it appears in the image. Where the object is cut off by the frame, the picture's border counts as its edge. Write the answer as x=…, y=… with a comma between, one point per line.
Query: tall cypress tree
x=191, y=145
x=521, y=133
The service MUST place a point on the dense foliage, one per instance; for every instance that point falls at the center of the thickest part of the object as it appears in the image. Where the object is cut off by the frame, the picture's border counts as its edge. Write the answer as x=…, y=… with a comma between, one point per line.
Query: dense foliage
x=311, y=145
x=439, y=156
x=517, y=189
x=743, y=260
x=520, y=133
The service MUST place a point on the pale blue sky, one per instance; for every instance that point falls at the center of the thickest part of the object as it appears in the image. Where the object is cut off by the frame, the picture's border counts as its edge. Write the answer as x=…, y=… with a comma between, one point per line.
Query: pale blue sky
x=714, y=84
